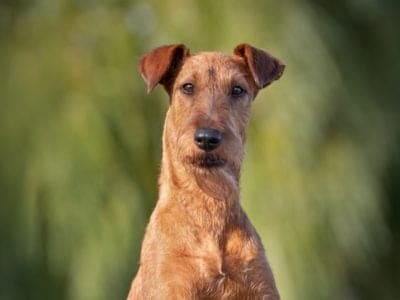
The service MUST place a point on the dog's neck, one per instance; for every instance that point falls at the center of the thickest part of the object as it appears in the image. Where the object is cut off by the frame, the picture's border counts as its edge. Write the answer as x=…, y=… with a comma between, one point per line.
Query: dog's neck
x=211, y=204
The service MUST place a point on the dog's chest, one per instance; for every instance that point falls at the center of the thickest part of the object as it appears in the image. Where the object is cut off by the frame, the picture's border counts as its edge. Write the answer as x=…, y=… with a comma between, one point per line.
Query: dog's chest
x=231, y=262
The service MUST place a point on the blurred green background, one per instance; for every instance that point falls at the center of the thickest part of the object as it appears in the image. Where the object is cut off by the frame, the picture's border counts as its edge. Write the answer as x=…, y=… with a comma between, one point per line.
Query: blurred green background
x=80, y=141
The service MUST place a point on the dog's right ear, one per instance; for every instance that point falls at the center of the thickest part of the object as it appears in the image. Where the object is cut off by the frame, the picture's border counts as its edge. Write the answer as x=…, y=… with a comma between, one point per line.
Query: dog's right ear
x=161, y=65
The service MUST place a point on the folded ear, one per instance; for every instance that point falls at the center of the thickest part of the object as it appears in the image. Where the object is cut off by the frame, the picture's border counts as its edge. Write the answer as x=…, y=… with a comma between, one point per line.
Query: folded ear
x=161, y=65
x=263, y=67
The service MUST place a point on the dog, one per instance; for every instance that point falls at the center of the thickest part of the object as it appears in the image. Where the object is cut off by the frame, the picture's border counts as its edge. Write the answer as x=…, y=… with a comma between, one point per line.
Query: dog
x=199, y=243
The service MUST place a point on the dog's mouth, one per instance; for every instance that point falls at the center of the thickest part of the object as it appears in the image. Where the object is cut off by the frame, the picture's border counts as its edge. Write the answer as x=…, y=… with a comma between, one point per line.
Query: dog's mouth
x=206, y=160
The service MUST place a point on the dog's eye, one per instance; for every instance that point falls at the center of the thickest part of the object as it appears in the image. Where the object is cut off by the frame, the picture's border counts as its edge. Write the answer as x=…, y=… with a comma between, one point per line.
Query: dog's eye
x=187, y=88
x=237, y=91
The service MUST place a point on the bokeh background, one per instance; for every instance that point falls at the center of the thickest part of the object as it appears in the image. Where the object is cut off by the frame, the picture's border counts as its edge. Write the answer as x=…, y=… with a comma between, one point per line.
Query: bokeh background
x=80, y=141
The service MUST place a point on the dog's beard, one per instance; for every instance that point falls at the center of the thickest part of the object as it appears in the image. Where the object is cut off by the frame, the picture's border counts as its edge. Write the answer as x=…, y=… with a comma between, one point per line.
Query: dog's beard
x=206, y=160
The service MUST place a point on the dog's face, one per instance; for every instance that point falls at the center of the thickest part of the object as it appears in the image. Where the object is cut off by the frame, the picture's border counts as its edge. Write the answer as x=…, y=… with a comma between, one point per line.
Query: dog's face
x=210, y=105
x=210, y=100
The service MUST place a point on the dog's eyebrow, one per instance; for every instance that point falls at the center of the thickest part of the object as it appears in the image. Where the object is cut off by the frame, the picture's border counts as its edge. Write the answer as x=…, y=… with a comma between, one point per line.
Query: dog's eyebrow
x=191, y=77
x=241, y=80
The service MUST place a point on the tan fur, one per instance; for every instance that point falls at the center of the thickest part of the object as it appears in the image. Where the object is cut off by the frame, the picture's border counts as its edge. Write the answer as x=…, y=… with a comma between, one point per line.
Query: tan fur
x=199, y=243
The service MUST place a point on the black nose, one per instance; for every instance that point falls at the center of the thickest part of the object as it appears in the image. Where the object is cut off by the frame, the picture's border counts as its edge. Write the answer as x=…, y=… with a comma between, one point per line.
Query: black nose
x=207, y=138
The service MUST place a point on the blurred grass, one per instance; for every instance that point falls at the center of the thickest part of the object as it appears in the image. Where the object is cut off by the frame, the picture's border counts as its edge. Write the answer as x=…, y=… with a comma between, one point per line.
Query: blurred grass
x=80, y=141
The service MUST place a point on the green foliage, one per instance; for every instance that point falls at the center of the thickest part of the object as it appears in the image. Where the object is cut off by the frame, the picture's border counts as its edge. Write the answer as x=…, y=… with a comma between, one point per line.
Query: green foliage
x=80, y=141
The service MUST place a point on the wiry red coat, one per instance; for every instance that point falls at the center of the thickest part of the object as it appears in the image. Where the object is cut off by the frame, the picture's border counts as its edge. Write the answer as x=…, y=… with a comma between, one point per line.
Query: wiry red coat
x=199, y=243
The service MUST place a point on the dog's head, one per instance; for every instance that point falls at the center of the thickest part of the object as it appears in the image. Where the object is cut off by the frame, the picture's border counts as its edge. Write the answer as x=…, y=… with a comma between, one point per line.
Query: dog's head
x=210, y=100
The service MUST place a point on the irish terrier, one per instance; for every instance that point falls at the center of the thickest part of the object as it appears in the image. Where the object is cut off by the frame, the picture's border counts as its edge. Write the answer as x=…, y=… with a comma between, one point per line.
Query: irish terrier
x=199, y=243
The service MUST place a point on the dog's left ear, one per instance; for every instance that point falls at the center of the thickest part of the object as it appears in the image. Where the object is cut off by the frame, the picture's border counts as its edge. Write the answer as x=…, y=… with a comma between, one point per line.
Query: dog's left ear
x=263, y=67
x=161, y=65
